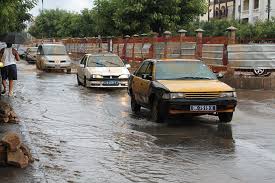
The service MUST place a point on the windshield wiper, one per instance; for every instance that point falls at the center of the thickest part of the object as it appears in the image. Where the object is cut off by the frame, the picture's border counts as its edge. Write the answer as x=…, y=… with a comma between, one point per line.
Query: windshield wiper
x=194, y=78
x=99, y=64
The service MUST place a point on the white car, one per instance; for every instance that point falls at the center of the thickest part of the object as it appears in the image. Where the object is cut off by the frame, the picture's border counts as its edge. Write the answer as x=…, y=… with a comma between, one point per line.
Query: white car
x=102, y=71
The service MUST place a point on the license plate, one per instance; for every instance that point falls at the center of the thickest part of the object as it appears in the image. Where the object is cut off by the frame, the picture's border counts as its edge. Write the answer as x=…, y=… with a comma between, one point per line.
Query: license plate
x=110, y=83
x=57, y=66
x=203, y=108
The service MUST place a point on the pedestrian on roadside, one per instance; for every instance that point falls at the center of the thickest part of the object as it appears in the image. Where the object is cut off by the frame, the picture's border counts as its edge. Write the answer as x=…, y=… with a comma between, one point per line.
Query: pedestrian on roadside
x=9, y=56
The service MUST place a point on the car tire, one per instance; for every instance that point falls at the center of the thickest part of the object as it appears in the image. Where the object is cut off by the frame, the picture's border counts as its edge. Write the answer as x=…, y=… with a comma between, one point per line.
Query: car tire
x=225, y=117
x=78, y=81
x=157, y=115
x=134, y=105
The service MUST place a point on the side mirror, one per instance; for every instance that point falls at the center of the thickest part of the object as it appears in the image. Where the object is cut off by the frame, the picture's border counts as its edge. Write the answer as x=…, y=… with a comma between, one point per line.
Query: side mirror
x=81, y=65
x=70, y=53
x=128, y=66
x=38, y=53
x=220, y=75
x=146, y=76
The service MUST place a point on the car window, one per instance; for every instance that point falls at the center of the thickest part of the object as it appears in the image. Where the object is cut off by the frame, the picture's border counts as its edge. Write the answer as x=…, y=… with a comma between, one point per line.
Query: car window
x=40, y=50
x=142, y=69
x=54, y=50
x=85, y=61
x=183, y=70
x=82, y=61
x=149, y=69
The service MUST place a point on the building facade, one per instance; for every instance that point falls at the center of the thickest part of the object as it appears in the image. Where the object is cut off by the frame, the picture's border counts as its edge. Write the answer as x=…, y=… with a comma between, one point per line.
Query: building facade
x=242, y=10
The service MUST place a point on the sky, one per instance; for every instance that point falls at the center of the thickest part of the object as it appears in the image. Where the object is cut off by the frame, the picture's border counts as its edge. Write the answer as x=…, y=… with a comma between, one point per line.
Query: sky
x=71, y=5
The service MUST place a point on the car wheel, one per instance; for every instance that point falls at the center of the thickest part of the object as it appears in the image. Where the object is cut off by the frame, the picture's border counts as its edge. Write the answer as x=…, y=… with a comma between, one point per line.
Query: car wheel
x=134, y=105
x=157, y=115
x=85, y=82
x=78, y=81
x=225, y=117
x=259, y=72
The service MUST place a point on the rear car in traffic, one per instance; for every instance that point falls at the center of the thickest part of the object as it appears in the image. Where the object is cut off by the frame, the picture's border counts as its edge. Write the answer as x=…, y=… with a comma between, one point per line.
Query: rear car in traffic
x=171, y=87
x=31, y=54
x=103, y=70
x=53, y=57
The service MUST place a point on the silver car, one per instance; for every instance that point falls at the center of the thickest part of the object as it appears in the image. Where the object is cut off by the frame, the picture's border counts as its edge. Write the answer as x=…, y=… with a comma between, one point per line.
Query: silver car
x=53, y=57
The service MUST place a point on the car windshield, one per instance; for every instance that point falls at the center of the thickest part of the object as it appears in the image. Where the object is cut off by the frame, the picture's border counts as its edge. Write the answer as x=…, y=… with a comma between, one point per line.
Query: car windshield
x=182, y=70
x=55, y=50
x=105, y=61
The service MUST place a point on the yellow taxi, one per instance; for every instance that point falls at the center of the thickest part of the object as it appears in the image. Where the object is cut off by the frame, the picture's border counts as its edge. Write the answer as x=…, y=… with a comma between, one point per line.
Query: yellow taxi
x=180, y=86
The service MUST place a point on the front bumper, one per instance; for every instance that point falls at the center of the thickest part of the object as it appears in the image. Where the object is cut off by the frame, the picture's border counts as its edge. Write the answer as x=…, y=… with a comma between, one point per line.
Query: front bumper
x=56, y=66
x=182, y=106
x=121, y=83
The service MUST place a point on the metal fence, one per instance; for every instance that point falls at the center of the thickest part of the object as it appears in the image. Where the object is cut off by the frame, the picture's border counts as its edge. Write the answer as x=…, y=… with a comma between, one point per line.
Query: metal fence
x=217, y=52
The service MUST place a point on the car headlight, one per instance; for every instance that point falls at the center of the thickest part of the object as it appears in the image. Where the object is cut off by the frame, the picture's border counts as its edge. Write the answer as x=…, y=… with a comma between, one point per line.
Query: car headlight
x=173, y=95
x=228, y=94
x=124, y=76
x=96, y=76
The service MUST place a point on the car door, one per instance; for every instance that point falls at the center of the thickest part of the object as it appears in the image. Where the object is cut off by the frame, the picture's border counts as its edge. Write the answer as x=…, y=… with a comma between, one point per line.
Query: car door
x=81, y=67
x=145, y=84
x=137, y=83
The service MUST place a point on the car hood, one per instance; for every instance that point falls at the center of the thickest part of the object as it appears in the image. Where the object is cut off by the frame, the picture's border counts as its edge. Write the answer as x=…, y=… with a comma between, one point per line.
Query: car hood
x=57, y=57
x=195, y=85
x=107, y=71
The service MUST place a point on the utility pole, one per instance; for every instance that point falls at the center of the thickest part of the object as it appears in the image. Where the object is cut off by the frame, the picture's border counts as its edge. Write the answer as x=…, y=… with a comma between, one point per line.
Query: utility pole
x=234, y=9
x=268, y=10
x=219, y=9
x=208, y=10
x=42, y=6
x=240, y=11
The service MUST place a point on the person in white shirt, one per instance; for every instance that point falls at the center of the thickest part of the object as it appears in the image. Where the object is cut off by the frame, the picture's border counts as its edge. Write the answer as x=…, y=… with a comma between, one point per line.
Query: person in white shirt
x=9, y=56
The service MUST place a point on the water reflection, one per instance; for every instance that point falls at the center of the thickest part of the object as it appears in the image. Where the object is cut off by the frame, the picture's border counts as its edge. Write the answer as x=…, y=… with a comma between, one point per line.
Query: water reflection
x=171, y=151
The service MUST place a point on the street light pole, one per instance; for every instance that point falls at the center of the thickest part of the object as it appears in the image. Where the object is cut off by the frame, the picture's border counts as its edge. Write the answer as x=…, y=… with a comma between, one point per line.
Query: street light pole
x=42, y=6
x=268, y=10
x=240, y=11
x=208, y=10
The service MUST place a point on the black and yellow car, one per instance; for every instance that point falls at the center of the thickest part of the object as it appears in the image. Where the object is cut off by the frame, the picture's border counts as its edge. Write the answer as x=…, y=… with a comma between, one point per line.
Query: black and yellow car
x=180, y=86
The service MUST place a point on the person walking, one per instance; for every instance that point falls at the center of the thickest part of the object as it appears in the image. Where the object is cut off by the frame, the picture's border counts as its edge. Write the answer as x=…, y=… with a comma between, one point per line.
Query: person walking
x=9, y=56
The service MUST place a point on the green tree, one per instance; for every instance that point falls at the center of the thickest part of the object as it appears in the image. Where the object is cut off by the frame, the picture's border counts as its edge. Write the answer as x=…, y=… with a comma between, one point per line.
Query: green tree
x=56, y=24
x=119, y=17
x=14, y=14
x=156, y=15
x=86, y=24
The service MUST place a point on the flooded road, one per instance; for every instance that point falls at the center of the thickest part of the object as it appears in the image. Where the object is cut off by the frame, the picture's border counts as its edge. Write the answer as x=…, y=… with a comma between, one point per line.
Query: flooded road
x=88, y=135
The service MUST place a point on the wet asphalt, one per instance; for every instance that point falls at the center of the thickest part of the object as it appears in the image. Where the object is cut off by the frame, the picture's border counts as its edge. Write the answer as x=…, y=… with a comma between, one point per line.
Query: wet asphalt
x=90, y=135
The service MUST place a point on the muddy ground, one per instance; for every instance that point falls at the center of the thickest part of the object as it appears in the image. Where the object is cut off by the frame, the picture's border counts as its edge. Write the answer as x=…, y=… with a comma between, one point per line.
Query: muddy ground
x=90, y=135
